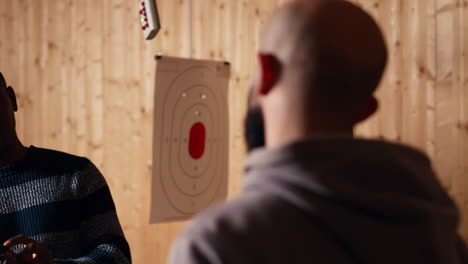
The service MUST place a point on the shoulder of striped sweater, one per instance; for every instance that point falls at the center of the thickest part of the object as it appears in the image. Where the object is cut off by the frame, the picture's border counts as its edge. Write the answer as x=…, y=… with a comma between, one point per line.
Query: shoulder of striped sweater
x=58, y=160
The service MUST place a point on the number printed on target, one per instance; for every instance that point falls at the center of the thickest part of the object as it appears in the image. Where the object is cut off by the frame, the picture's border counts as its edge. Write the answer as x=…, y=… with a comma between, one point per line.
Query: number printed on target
x=191, y=135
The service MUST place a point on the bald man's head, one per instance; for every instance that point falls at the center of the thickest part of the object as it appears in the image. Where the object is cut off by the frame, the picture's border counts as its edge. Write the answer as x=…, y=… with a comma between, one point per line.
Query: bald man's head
x=329, y=49
x=328, y=56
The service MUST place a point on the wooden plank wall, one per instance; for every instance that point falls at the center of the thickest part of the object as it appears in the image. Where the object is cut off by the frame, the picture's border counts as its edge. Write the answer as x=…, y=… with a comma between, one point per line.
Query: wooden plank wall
x=84, y=78
x=424, y=95
x=451, y=100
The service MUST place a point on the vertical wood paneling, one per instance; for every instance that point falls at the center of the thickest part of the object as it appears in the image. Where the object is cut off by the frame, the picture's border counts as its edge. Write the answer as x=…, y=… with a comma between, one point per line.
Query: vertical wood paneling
x=463, y=122
x=451, y=130
x=406, y=91
x=94, y=80
x=84, y=77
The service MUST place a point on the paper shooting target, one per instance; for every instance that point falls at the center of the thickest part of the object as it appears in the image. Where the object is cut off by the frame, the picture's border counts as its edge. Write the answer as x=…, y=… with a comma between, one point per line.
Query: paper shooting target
x=191, y=136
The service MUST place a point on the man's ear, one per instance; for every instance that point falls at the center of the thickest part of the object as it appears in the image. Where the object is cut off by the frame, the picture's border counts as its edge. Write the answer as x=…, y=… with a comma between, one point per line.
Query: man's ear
x=370, y=109
x=12, y=96
x=270, y=73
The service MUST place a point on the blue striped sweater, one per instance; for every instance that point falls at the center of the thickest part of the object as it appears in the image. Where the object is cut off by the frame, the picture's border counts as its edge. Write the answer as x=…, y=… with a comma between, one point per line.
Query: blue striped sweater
x=63, y=202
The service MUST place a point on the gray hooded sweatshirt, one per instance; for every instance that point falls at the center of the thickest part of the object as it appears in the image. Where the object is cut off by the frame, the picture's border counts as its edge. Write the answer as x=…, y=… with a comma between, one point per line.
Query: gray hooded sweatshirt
x=330, y=200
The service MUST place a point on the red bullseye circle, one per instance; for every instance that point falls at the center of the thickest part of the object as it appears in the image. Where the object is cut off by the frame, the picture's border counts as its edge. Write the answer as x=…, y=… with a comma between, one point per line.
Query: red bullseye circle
x=197, y=139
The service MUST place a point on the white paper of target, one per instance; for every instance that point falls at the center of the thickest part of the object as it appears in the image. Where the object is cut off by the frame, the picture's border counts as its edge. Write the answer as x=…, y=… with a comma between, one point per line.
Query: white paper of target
x=191, y=137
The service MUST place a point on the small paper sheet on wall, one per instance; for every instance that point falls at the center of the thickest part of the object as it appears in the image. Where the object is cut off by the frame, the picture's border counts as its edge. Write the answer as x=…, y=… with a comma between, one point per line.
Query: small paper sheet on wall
x=191, y=137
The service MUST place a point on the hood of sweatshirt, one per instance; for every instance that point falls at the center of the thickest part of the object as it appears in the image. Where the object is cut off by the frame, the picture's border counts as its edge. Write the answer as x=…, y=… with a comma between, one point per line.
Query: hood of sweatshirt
x=381, y=201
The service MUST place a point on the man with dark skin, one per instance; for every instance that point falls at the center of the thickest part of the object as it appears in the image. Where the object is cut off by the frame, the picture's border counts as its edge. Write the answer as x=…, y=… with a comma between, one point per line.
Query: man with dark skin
x=313, y=193
x=11, y=149
x=54, y=207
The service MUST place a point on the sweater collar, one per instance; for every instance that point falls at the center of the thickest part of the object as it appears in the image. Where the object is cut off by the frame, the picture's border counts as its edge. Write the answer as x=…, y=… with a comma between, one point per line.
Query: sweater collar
x=13, y=168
